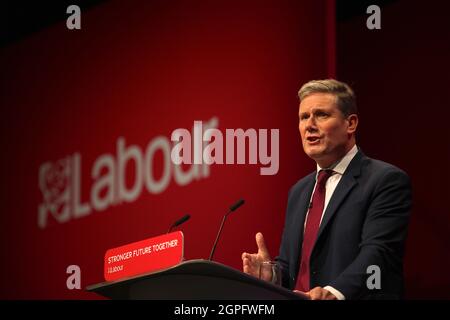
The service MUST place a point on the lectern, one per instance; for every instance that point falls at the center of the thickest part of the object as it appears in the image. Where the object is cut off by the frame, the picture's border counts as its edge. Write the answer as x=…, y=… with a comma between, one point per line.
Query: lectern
x=192, y=280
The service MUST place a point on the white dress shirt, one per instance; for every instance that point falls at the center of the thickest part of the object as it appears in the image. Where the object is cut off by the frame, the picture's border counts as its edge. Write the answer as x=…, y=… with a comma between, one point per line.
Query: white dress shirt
x=331, y=184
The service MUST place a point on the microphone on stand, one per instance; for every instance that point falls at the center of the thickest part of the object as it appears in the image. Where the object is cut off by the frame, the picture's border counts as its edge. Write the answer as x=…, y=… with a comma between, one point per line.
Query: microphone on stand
x=179, y=221
x=232, y=208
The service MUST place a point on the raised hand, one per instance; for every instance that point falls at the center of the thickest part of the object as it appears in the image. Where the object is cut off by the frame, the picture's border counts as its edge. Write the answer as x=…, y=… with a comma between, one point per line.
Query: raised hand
x=252, y=261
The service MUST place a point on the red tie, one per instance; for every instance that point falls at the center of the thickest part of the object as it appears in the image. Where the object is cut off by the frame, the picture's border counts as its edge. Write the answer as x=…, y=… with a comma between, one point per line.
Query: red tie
x=312, y=228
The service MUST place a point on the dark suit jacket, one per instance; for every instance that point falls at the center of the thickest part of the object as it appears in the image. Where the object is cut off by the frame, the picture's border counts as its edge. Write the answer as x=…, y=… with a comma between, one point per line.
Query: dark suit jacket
x=365, y=223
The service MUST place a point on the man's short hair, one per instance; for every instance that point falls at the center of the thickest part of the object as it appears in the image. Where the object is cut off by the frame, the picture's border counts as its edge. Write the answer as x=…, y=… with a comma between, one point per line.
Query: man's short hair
x=346, y=99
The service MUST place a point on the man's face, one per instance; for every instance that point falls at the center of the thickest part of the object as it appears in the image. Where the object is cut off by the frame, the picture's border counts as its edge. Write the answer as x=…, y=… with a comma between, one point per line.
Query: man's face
x=326, y=134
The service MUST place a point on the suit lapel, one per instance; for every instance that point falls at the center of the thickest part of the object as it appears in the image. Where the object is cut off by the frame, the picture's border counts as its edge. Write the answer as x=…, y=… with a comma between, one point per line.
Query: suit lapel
x=343, y=188
x=298, y=224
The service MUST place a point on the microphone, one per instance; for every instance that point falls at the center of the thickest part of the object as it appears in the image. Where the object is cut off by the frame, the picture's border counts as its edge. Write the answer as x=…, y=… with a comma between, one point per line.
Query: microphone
x=232, y=208
x=179, y=221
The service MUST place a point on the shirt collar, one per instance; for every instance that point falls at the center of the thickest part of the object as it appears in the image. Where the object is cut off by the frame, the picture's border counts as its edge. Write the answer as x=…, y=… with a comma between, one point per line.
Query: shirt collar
x=341, y=165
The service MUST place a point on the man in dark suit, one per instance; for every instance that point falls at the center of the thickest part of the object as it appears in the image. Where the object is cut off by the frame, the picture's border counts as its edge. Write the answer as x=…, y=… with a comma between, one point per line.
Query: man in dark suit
x=346, y=223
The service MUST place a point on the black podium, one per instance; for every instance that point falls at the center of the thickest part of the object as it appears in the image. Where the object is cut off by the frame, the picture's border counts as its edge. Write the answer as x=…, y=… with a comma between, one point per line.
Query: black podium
x=193, y=280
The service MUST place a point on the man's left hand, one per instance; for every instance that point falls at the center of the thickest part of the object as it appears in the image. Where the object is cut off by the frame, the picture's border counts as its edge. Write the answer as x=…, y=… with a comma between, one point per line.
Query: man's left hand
x=317, y=293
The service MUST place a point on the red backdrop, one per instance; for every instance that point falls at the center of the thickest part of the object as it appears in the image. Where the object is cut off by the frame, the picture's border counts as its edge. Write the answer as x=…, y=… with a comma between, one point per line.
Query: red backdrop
x=139, y=70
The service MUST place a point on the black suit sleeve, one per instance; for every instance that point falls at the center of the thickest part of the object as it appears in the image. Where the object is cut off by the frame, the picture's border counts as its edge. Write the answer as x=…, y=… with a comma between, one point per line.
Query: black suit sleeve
x=382, y=237
x=283, y=257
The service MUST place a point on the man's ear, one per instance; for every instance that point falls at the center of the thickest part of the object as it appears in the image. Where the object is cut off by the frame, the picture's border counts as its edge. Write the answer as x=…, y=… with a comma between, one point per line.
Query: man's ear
x=352, y=123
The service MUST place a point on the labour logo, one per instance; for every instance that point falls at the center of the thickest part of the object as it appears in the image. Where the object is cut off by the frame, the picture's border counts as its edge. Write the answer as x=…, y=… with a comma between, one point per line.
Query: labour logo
x=54, y=183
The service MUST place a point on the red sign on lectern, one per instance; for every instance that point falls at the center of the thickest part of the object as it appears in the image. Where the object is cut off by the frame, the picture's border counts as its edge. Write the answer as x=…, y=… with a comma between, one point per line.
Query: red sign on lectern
x=144, y=256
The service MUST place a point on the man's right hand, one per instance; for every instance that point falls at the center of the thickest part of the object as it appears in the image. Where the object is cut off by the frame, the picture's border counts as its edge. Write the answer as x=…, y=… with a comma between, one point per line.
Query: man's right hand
x=251, y=261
